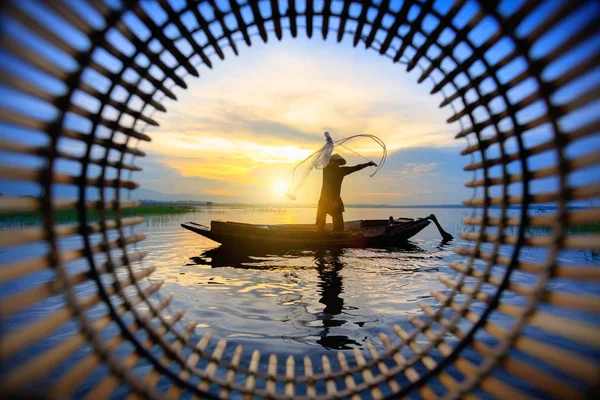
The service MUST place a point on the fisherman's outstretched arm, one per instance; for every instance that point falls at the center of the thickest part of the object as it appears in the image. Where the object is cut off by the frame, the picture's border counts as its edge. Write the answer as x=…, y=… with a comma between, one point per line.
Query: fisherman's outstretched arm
x=349, y=170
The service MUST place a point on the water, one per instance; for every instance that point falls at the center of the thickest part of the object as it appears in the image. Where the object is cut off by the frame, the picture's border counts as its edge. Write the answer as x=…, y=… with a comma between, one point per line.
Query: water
x=300, y=302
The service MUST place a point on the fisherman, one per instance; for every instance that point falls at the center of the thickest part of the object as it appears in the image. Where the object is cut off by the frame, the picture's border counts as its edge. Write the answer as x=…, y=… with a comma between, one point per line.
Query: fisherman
x=331, y=202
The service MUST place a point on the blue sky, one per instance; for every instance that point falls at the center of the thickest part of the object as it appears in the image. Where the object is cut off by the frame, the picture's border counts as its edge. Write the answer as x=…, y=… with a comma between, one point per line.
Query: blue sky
x=236, y=132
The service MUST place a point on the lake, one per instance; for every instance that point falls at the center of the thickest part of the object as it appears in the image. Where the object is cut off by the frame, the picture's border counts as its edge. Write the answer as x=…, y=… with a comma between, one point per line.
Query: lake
x=303, y=302
x=296, y=301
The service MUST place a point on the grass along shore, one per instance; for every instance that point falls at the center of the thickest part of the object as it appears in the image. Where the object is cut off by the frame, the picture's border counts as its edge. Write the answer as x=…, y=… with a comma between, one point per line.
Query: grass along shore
x=16, y=220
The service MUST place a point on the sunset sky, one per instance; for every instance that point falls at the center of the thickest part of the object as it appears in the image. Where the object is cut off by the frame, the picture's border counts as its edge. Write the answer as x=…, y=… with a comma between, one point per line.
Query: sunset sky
x=236, y=132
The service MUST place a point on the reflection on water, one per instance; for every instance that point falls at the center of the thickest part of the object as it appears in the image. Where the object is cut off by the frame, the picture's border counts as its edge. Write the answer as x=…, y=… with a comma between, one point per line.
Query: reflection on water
x=331, y=287
x=324, y=325
x=297, y=301
x=301, y=302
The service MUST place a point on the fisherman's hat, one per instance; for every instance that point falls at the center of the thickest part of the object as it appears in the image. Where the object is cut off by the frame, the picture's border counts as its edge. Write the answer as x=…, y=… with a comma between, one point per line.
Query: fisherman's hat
x=336, y=157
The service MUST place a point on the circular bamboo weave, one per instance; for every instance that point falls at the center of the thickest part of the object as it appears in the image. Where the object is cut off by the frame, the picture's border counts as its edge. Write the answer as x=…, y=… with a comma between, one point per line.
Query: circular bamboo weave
x=112, y=332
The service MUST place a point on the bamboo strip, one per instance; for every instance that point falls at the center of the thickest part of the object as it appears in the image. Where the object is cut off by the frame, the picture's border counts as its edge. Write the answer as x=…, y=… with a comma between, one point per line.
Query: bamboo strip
x=475, y=81
x=573, y=218
x=367, y=374
x=573, y=272
x=577, y=134
x=501, y=136
x=105, y=11
x=134, y=89
x=121, y=107
x=552, y=385
x=151, y=379
x=15, y=204
x=277, y=18
x=230, y=378
x=21, y=174
x=272, y=371
x=348, y=378
x=143, y=48
x=70, y=16
x=561, y=299
x=29, y=204
x=568, y=328
x=447, y=381
x=44, y=151
x=25, y=121
x=185, y=32
x=220, y=16
x=191, y=362
x=27, y=87
x=36, y=234
x=28, y=297
x=260, y=23
x=383, y=368
x=290, y=386
x=461, y=34
x=414, y=29
x=33, y=90
x=43, y=363
x=559, y=14
x=360, y=23
x=581, y=162
x=110, y=124
x=110, y=383
x=329, y=382
x=48, y=67
x=204, y=26
x=581, y=100
x=576, y=242
x=311, y=390
x=211, y=368
x=577, y=193
x=159, y=35
x=235, y=8
x=37, y=330
x=490, y=384
x=578, y=102
x=410, y=372
x=29, y=266
x=392, y=32
x=564, y=360
x=251, y=377
x=309, y=15
x=42, y=32
x=432, y=37
x=76, y=375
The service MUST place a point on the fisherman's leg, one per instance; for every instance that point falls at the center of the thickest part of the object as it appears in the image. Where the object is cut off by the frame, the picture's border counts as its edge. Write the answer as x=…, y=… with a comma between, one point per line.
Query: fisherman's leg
x=338, y=221
x=321, y=217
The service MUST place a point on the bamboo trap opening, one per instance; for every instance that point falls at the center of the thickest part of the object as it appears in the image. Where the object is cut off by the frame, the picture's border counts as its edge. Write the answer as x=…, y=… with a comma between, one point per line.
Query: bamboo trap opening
x=454, y=349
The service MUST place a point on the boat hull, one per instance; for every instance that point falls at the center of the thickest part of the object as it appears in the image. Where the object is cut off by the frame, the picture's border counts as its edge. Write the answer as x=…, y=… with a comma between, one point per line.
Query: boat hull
x=371, y=233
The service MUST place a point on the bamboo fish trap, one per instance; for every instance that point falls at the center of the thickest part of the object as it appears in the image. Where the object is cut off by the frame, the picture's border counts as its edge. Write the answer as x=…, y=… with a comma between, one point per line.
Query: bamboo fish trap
x=111, y=331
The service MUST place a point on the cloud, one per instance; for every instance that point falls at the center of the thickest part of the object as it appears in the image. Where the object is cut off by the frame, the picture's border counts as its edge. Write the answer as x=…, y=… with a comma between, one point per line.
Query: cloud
x=221, y=192
x=421, y=168
x=413, y=171
x=249, y=121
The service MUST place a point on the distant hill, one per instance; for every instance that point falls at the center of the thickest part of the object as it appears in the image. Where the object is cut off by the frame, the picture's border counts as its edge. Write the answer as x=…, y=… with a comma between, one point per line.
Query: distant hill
x=92, y=194
x=146, y=194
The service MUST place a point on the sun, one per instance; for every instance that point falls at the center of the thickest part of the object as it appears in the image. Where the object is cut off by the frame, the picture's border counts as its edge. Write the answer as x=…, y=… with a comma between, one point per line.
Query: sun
x=280, y=188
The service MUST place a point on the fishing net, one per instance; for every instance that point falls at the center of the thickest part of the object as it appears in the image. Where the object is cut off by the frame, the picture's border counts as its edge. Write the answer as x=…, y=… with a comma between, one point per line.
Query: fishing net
x=350, y=147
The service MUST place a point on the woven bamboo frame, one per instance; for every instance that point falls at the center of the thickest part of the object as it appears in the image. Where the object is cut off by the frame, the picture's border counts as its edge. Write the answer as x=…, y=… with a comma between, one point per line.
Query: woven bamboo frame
x=456, y=346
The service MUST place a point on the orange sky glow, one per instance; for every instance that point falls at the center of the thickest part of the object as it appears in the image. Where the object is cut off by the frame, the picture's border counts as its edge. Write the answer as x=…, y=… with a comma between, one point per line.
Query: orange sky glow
x=242, y=126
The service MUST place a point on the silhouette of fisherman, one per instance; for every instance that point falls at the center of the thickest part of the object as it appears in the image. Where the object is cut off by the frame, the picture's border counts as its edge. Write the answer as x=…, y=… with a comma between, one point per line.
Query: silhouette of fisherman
x=331, y=202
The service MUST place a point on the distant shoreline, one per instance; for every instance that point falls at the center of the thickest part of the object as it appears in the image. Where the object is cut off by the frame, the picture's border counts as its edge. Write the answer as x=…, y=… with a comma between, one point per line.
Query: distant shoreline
x=443, y=206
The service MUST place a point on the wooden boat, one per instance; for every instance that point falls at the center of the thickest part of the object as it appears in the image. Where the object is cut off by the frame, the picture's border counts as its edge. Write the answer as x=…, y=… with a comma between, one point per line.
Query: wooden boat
x=364, y=233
